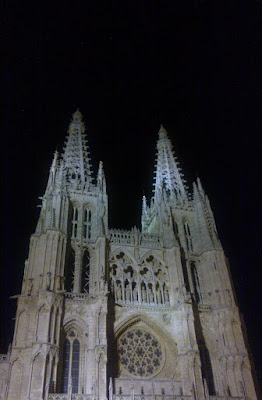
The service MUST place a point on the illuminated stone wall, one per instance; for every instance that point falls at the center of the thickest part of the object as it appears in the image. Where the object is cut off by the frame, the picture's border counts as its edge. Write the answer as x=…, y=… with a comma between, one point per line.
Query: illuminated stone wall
x=110, y=313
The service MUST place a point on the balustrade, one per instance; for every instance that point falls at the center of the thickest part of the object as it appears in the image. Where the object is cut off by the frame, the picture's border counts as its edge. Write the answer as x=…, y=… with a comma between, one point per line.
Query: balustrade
x=226, y=398
x=66, y=396
x=151, y=397
x=77, y=296
x=121, y=237
x=167, y=397
x=135, y=237
x=154, y=390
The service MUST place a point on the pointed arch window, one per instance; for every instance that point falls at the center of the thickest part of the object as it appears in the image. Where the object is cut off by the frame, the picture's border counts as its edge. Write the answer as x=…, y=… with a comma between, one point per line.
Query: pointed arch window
x=175, y=226
x=71, y=361
x=85, y=279
x=75, y=365
x=189, y=243
x=195, y=282
x=87, y=223
x=70, y=271
x=74, y=222
x=66, y=366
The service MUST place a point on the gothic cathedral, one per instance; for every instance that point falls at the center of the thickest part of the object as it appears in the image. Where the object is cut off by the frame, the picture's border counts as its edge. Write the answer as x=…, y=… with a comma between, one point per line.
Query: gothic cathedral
x=144, y=314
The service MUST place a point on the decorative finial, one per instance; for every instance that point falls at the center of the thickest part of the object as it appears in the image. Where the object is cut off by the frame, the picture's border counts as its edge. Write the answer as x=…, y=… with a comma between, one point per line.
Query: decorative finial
x=77, y=116
x=55, y=156
x=162, y=132
x=144, y=205
x=101, y=183
x=100, y=169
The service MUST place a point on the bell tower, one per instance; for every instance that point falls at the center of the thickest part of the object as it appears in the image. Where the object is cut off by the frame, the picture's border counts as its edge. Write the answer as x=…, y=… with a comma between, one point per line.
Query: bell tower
x=61, y=314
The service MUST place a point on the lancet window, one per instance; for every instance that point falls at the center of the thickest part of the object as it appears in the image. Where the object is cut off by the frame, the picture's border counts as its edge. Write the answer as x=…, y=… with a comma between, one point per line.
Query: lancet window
x=85, y=280
x=189, y=243
x=71, y=361
x=87, y=223
x=195, y=281
x=74, y=222
x=70, y=271
x=175, y=226
x=146, y=283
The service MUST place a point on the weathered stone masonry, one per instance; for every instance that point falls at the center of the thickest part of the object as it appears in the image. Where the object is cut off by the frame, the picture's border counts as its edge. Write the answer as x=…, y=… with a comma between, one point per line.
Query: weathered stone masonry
x=125, y=315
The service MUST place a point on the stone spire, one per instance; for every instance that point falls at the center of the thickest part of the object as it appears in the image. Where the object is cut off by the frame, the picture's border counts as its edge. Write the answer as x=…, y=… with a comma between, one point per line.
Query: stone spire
x=52, y=173
x=76, y=161
x=168, y=175
x=203, y=208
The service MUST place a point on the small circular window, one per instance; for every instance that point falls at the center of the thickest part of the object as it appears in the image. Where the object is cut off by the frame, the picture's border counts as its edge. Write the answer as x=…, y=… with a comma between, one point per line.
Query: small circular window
x=140, y=353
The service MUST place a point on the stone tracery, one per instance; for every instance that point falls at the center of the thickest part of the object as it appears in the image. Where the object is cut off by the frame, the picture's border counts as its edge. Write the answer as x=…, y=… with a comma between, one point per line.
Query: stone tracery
x=144, y=283
x=140, y=353
x=67, y=336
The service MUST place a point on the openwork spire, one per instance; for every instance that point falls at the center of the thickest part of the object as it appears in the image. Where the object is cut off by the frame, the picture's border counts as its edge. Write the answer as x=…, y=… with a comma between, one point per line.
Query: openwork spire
x=76, y=160
x=168, y=175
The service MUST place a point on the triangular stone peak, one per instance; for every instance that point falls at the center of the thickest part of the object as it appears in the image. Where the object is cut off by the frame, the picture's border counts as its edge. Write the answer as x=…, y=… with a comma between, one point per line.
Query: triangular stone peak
x=168, y=175
x=162, y=134
x=76, y=156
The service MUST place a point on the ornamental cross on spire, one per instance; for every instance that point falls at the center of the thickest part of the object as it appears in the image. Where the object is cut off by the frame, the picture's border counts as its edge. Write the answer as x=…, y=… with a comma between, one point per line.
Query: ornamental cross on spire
x=76, y=160
x=168, y=175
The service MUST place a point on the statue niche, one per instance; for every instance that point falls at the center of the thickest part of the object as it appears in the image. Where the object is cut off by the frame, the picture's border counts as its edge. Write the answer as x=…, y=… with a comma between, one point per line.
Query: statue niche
x=145, y=283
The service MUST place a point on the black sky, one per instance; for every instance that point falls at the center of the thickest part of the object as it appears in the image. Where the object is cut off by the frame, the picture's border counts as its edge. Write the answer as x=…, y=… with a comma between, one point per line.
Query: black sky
x=129, y=66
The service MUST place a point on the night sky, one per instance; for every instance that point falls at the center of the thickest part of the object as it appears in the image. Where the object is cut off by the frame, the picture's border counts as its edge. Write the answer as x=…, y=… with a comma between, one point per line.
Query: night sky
x=129, y=66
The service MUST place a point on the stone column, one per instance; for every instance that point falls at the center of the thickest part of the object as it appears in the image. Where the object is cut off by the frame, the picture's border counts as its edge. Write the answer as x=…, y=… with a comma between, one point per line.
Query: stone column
x=101, y=361
x=78, y=267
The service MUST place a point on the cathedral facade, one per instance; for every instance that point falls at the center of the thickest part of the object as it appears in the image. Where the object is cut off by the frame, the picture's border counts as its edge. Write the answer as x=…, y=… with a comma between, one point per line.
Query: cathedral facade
x=144, y=314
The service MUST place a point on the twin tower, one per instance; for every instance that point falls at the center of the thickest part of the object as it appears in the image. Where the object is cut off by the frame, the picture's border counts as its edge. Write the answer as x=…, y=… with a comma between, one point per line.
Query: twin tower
x=144, y=314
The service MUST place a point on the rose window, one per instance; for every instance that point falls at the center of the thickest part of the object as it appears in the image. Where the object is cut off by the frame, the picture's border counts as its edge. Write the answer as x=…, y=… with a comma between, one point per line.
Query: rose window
x=140, y=353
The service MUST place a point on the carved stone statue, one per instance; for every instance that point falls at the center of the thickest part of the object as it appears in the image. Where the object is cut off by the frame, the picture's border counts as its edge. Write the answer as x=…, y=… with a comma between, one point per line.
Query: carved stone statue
x=166, y=296
x=151, y=296
x=119, y=292
x=30, y=287
x=59, y=282
x=128, y=292
x=135, y=294
x=110, y=390
x=143, y=294
x=184, y=295
x=158, y=296
x=48, y=280
x=102, y=279
x=26, y=268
